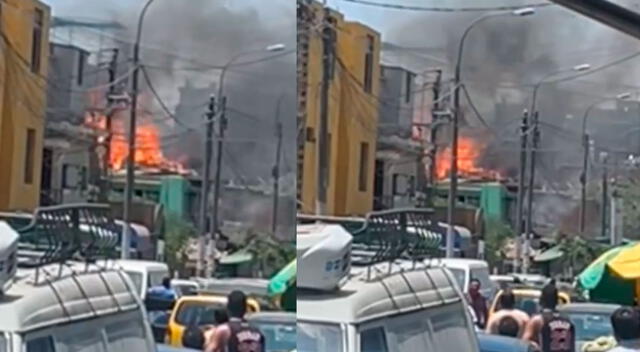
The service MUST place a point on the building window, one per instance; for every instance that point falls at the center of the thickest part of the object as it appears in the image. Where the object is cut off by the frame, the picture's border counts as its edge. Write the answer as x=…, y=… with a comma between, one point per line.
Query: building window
x=80, y=77
x=364, y=167
x=36, y=40
x=368, y=64
x=408, y=85
x=29, y=156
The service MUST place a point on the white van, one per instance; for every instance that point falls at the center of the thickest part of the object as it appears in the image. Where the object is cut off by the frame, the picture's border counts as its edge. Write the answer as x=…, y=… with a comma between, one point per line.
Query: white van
x=464, y=270
x=144, y=274
x=374, y=308
x=78, y=308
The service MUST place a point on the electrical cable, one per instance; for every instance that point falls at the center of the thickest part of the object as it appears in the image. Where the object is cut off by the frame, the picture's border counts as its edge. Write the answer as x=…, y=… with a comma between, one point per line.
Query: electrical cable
x=445, y=9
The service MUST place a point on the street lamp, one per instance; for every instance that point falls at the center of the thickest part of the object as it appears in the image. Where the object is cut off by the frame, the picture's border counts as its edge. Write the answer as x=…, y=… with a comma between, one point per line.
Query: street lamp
x=453, y=175
x=585, y=154
x=130, y=178
x=222, y=125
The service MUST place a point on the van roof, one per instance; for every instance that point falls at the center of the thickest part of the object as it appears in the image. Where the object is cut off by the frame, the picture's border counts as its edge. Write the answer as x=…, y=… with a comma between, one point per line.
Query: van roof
x=78, y=293
x=460, y=263
x=361, y=300
x=139, y=265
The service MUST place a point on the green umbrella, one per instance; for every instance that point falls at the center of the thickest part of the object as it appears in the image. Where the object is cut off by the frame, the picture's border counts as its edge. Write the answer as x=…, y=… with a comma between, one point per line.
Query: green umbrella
x=602, y=285
x=282, y=280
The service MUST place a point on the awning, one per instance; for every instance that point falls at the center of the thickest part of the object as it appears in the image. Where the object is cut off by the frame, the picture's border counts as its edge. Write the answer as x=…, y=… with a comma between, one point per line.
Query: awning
x=283, y=279
x=239, y=257
x=550, y=254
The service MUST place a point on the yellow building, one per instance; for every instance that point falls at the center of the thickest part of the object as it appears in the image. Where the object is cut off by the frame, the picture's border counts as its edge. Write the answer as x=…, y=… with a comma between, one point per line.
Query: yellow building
x=24, y=50
x=352, y=112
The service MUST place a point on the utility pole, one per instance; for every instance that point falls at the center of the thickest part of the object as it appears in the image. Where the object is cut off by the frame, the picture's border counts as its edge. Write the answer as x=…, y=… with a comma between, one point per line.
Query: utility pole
x=204, y=188
x=583, y=181
x=605, y=193
x=524, y=133
x=131, y=158
x=433, y=152
x=111, y=102
x=530, y=189
x=276, y=169
x=322, y=147
x=222, y=128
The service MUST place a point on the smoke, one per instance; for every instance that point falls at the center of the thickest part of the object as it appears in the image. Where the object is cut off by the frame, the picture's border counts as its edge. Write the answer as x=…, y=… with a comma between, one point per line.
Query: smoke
x=503, y=57
x=181, y=41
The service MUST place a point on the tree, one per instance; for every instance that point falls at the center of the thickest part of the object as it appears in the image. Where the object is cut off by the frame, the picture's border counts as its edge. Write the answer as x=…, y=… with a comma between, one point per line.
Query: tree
x=496, y=236
x=269, y=254
x=178, y=231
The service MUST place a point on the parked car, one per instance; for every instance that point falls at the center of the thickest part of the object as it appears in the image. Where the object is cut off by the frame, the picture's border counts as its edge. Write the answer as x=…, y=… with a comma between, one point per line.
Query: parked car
x=198, y=310
x=591, y=320
x=465, y=270
x=279, y=329
x=527, y=300
x=497, y=343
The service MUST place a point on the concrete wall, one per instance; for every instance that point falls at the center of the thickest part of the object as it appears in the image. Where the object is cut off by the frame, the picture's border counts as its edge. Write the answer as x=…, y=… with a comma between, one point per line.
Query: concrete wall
x=65, y=100
x=23, y=102
x=397, y=97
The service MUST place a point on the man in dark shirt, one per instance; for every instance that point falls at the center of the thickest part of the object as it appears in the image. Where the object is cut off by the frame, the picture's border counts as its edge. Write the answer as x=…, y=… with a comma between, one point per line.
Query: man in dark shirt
x=478, y=303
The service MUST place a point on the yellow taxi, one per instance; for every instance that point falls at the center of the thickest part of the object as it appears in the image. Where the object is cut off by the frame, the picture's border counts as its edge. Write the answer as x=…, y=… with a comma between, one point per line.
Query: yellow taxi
x=527, y=300
x=198, y=310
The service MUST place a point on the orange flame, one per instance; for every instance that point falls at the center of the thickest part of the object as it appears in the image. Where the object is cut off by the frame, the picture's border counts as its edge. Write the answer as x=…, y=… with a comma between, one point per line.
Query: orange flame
x=468, y=153
x=148, y=148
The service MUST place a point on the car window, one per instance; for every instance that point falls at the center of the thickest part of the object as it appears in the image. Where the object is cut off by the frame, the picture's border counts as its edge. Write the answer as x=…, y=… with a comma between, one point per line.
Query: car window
x=40, y=344
x=317, y=337
x=136, y=278
x=409, y=332
x=450, y=329
x=460, y=276
x=278, y=336
x=482, y=274
x=86, y=340
x=373, y=340
x=590, y=326
x=126, y=336
x=156, y=277
x=198, y=313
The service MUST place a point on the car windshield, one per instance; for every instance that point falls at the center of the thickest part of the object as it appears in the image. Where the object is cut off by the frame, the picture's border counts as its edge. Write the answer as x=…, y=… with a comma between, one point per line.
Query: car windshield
x=136, y=278
x=315, y=337
x=590, y=326
x=459, y=276
x=279, y=336
x=198, y=313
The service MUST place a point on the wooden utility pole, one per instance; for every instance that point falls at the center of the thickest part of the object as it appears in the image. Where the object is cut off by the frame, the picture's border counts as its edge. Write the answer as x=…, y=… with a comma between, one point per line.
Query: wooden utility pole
x=205, y=186
x=323, y=129
x=519, y=228
x=276, y=169
x=111, y=110
x=532, y=172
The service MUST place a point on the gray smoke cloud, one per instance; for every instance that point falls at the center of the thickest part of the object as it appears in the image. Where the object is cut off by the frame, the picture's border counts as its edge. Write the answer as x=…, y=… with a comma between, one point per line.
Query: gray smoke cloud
x=180, y=40
x=504, y=56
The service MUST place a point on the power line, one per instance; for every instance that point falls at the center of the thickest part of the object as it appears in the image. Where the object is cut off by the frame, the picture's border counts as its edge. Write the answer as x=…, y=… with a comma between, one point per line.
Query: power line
x=444, y=9
x=159, y=100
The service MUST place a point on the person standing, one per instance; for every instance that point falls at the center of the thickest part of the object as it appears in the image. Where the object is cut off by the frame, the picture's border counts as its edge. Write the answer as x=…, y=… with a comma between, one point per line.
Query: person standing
x=478, y=303
x=236, y=335
x=507, y=309
x=626, y=328
x=548, y=330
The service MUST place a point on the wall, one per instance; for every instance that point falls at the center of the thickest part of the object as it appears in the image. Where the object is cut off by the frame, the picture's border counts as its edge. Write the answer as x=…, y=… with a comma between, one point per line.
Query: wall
x=22, y=105
x=353, y=118
x=65, y=102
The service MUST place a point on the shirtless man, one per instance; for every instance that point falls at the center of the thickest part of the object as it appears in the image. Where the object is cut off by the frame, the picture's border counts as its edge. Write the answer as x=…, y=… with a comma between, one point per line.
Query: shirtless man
x=507, y=309
x=548, y=330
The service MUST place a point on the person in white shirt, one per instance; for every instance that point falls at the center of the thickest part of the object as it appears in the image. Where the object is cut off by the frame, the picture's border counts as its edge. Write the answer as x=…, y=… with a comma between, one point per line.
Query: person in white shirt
x=626, y=328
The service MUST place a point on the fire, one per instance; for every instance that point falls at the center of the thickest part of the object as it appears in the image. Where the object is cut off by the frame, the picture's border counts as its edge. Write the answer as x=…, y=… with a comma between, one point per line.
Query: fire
x=148, y=149
x=468, y=154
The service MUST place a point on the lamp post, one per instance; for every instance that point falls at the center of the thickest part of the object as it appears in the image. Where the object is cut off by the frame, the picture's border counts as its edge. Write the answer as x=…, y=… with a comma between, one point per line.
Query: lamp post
x=222, y=125
x=453, y=174
x=131, y=158
x=531, y=146
x=585, y=155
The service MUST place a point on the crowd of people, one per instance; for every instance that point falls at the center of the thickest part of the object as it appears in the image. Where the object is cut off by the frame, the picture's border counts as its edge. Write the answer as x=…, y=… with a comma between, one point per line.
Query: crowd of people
x=548, y=331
